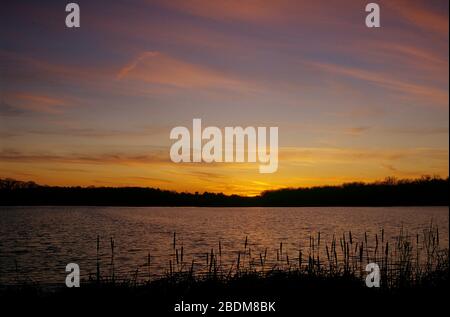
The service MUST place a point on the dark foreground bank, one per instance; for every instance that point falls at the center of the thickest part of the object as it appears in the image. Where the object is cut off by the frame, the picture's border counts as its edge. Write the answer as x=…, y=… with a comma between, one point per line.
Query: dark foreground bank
x=278, y=293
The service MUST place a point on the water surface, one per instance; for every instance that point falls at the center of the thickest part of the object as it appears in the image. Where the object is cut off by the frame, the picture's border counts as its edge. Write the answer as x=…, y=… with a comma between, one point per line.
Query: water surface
x=37, y=242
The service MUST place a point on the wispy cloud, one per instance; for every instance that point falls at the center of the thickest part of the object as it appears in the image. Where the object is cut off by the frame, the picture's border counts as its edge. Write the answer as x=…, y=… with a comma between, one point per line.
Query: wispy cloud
x=423, y=15
x=40, y=103
x=320, y=155
x=161, y=69
x=437, y=95
x=356, y=130
x=7, y=110
x=12, y=155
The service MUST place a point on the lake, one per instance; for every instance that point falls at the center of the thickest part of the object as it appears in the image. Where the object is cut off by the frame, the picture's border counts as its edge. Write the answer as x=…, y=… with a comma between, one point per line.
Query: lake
x=37, y=242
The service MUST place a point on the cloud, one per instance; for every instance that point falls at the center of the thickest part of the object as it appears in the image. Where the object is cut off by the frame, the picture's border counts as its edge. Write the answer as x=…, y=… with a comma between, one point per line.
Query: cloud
x=23, y=67
x=385, y=80
x=349, y=155
x=390, y=167
x=88, y=132
x=21, y=70
x=12, y=155
x=423, y=15
x=6, y=110
x=207, y=175
x=233, y=10
x=134, y=63
x=131, y=180
x=417, y=55
x=40, y=103
x=27, y=104
x=418, y=130
x=161, y=69
x=261, y=12
x=286, y=154
x=356, y=130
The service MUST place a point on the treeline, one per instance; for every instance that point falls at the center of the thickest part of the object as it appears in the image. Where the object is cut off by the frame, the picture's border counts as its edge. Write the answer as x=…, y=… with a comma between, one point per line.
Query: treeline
x=425, y=191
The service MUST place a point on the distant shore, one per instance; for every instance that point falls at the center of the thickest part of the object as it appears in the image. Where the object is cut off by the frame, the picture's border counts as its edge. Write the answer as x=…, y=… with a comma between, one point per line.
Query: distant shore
x=425, y=191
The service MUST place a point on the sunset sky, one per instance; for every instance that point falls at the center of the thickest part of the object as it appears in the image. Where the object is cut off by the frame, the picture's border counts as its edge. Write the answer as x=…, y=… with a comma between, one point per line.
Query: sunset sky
x=95, y=105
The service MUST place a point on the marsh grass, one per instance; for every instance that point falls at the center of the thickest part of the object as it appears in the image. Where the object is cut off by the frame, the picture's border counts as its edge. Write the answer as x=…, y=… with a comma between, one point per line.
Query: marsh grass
x=407, y=261
x=325, y=275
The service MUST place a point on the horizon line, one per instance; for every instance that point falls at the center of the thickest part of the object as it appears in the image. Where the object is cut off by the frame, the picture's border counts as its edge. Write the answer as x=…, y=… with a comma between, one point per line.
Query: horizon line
x=388, y=180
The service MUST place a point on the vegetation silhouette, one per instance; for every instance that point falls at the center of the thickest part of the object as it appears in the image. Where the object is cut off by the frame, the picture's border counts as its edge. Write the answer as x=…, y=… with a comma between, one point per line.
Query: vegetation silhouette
x=424, y=191
x=413, y=269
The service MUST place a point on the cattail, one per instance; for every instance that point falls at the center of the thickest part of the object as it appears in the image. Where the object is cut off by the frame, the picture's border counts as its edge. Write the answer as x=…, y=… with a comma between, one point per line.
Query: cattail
x=238, y=261
x=328, y=253
x=361, y=252
x=437, y=236
x=376, y=246
x=335, y=257
x=300, y=258
x=367, y=246
x=191, y=271
x=386, y=250
x=182, y=254
x=211, y=260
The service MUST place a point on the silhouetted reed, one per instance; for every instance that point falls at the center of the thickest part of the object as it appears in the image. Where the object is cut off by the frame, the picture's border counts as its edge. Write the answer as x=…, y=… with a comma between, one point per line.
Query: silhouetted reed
x=405, y=261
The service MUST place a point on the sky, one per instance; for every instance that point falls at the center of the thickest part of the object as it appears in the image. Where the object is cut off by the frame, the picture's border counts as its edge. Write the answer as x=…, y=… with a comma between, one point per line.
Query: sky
x=94, y=106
